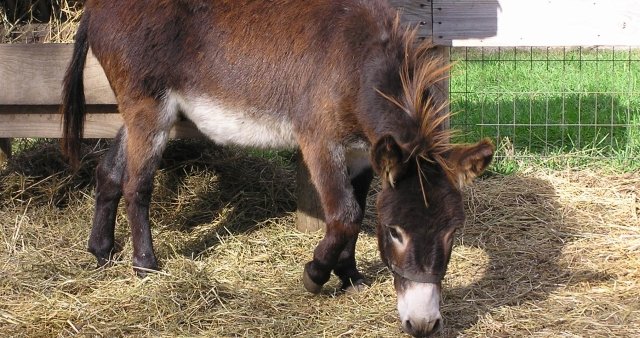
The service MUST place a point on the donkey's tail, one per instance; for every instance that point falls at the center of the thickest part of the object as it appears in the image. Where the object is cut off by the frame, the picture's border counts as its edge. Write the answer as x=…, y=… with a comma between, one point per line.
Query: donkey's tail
x=73, y=107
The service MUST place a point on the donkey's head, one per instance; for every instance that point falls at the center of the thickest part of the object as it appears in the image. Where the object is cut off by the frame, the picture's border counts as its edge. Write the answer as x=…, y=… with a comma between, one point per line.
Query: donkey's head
x=420, y=205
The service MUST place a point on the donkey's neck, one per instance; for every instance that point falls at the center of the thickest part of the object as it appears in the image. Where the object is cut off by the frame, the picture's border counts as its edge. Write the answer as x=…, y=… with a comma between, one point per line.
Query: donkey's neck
x=378, y=115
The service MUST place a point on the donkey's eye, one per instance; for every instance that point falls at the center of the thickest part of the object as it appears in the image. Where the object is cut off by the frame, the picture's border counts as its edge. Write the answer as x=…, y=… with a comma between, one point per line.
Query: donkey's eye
x=393, y=232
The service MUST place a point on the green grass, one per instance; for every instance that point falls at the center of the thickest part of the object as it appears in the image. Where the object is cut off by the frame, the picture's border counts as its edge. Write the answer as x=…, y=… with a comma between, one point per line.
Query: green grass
x=550, y=102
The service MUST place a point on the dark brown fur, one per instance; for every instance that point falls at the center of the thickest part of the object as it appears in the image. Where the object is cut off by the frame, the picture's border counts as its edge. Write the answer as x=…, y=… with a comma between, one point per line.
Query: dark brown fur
x=339, y=73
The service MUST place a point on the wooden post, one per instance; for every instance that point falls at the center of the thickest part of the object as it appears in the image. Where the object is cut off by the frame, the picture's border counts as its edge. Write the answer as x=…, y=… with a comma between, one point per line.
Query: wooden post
x=443, y=85
x=5, y=149
x=309, y=216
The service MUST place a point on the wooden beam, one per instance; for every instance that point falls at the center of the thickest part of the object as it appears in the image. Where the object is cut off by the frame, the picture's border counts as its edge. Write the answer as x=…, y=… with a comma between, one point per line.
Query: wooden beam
x=54, y=109
x=442, y=87
x=309, y=213
x=536, y=22
x=96, y=126
x=32, y=75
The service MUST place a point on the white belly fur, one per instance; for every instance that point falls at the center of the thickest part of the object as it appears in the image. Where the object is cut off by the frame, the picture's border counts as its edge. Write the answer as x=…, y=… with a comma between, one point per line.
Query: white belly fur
x=357, y=159
x=229, y=125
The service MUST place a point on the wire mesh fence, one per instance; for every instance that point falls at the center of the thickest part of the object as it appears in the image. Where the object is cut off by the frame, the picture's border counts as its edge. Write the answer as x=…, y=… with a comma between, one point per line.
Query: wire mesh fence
x=547, y=101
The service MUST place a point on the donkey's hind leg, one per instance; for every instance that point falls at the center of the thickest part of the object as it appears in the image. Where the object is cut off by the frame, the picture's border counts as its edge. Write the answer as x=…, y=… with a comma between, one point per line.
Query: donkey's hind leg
x=148, y=124
x=108, y=192
x=346, y=270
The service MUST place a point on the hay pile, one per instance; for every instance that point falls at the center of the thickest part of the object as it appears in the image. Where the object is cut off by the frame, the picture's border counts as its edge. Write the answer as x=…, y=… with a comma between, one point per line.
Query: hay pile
x=544, y=253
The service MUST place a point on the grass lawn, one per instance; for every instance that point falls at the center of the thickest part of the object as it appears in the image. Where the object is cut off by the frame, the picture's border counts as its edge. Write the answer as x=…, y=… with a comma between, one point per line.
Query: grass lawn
x=550, y=101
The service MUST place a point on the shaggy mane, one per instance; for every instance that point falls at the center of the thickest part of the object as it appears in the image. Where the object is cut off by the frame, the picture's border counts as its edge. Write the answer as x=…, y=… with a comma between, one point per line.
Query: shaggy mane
x=420, y=71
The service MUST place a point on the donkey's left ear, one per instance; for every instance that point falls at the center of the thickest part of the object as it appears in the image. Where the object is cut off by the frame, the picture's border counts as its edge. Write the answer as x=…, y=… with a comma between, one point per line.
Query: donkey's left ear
x=388, y=160
x=469, y=161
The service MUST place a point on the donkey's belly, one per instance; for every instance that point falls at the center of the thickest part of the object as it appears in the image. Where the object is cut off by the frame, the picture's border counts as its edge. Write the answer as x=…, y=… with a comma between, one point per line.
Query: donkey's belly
x=357, y=158
x=225, y=124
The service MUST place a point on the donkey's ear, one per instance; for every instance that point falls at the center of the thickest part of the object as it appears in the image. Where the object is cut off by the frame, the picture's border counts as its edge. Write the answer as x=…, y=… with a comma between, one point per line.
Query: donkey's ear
x=469, y=161
x=388, y=159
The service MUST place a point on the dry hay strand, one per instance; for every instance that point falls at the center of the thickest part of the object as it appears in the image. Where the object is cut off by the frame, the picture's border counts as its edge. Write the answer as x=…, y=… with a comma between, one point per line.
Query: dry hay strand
x=543, y=253
x=40, y=175
x=32, y=21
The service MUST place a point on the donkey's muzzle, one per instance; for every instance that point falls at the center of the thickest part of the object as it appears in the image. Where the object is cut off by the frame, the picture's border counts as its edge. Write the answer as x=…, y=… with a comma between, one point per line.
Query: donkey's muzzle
x=419, y=307
x=421, y=328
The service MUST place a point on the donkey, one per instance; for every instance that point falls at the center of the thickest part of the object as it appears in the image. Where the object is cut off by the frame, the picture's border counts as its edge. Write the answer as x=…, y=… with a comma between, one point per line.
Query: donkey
x=342, y=80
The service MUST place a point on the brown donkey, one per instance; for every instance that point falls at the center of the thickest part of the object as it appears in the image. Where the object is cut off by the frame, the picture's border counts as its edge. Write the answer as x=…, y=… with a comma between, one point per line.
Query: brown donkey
x=340, y=79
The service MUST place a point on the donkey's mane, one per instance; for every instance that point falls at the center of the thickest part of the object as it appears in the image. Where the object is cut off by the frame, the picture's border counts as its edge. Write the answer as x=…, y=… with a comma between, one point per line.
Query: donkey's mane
x=421, y=69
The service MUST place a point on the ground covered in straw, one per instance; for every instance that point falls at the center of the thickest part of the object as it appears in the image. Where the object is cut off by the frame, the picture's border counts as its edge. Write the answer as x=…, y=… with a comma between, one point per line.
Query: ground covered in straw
x=543, y=253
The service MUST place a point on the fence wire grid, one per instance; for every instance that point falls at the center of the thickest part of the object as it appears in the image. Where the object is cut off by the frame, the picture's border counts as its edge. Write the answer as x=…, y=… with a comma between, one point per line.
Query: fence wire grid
x=547, y=101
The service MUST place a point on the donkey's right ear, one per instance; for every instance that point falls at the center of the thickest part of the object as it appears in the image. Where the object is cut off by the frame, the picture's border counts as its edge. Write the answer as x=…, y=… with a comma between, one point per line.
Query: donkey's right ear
x=388, y=160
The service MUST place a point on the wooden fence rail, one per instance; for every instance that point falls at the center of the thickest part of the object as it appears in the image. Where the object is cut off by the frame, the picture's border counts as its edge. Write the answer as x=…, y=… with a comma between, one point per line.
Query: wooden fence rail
x=31, y=74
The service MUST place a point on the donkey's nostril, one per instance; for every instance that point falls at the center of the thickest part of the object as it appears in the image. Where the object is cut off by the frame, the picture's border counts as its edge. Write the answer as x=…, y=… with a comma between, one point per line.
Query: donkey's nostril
x=436, y=325
x=407, y=326
x=421, y=328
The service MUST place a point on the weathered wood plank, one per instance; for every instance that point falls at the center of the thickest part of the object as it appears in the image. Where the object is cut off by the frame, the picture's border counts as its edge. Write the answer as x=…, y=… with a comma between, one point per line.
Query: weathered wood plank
x=536, y=22
x=32, y=74
x=96, y=126
x=442, y=87
x=416, y=13
x=309, y=213
x=54, y=109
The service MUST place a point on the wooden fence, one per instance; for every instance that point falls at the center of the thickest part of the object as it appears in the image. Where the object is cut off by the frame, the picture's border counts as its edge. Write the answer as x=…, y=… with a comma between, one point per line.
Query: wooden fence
x=31, y=74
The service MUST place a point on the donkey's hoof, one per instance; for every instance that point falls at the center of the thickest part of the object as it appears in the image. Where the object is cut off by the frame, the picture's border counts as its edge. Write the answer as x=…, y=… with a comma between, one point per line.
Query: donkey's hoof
x=310, y=285
x=355, y=286
x=103, y=262
x=145, y=266
x=104, y=257
x=144, y=272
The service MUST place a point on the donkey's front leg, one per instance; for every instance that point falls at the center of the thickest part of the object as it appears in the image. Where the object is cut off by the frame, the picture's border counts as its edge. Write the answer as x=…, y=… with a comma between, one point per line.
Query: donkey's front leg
x=343, y=214
x=346, y=270
x=109, y=175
